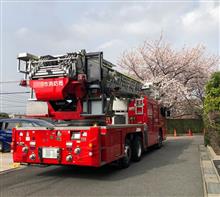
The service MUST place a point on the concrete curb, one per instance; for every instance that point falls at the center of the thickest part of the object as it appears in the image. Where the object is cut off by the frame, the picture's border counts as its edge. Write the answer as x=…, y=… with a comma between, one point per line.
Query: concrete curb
x=203, y=179
x=211, y=180
x=13, y=167
x=213, y=157
x=212, y=153
x=183, y=134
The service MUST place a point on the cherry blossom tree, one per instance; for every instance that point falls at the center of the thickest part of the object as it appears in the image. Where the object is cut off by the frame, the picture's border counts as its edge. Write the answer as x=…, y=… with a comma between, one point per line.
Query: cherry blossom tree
x=179, y=76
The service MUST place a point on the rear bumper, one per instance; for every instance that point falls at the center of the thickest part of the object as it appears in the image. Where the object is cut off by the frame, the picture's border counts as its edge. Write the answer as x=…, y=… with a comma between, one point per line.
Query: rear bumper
x=85, y=158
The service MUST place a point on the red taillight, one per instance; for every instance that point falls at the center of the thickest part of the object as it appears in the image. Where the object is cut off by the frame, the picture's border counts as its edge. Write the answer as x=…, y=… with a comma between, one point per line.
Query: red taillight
x=23, y=83
x=12, y=147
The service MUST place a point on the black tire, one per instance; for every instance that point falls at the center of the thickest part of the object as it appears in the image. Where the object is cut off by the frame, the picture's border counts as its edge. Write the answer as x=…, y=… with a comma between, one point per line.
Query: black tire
x=137, y=149
x=125, y=161
x=1, y=147
x=160, y=140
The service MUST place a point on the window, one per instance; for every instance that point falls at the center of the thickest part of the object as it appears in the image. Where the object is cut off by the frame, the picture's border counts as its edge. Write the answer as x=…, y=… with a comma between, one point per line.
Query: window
x=85, y=107
x=41, y=123
x=11, y=125
x=96, y=107
x=26, y=124
x=93, y=69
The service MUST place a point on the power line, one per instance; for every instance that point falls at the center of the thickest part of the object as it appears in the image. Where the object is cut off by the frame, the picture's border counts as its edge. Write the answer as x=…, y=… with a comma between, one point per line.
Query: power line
x=18, y=96
x=2, y=82
x=12, y=97
x=15, y=104
x=13, y=107
x=8, y=101
x=4, y=102
x=2, y=93
x=12, y=102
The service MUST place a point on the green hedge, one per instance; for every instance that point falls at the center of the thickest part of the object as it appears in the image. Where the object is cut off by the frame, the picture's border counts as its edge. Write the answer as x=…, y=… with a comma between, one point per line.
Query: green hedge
x=212, y=98
x=183, y=125
x=212, y=112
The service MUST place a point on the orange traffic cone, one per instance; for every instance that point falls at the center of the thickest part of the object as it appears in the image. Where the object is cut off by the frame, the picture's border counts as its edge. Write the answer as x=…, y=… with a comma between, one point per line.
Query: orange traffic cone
x=190, y=133
x=174, y=133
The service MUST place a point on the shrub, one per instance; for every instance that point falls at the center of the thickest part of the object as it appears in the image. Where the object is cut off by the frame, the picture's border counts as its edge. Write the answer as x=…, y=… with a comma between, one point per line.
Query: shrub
x=4, y=115
x=212, y=111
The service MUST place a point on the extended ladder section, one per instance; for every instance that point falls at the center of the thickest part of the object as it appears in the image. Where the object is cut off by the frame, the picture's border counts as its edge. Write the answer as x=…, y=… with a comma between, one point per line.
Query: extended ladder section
x=99, y=72
x=116, y=81
x=48, y=66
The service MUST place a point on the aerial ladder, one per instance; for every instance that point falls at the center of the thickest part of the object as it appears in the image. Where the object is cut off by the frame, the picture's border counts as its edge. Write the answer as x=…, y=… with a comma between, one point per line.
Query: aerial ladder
x=75, y=86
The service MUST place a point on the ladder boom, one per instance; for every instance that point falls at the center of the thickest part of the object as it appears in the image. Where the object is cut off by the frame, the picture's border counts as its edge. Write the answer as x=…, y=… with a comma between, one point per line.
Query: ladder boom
x=96, y=69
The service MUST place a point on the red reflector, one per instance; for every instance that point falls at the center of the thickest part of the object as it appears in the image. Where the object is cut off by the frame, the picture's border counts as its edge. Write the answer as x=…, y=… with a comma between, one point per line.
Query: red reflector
x=23, y=83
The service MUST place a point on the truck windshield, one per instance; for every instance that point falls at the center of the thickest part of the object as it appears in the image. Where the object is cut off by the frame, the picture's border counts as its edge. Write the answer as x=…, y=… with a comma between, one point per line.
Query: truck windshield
x=42, y=123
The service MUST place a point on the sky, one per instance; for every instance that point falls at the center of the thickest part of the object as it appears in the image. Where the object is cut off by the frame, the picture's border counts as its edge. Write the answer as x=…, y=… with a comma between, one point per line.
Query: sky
x=55, y=27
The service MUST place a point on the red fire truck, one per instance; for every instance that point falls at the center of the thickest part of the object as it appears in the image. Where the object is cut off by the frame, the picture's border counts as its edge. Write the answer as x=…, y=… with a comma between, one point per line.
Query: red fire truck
x=102, y=116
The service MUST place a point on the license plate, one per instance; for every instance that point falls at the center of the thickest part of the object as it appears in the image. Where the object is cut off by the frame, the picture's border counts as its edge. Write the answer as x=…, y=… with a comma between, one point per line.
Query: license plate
x=50, y=153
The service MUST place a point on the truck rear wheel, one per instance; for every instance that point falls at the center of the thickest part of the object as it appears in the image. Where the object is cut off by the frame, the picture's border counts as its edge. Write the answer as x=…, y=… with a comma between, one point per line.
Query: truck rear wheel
x=136, y=149
x=125, y=161
x=160, y=140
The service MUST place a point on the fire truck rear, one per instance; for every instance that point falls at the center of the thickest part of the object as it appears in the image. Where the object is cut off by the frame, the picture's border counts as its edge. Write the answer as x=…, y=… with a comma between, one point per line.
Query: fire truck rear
x=101, y=115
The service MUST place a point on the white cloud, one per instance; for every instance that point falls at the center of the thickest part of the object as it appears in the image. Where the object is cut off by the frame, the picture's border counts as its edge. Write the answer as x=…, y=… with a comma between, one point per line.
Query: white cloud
x=108, y=44
x=203, y=15
x=22, y=32
x=101, y=27
x=118, y=27
x=132, y=10
x=202, y=25
x=142, y=28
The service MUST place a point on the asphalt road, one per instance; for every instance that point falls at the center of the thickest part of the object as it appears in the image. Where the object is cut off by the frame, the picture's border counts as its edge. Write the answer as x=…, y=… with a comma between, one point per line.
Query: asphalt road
x=173, y=170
